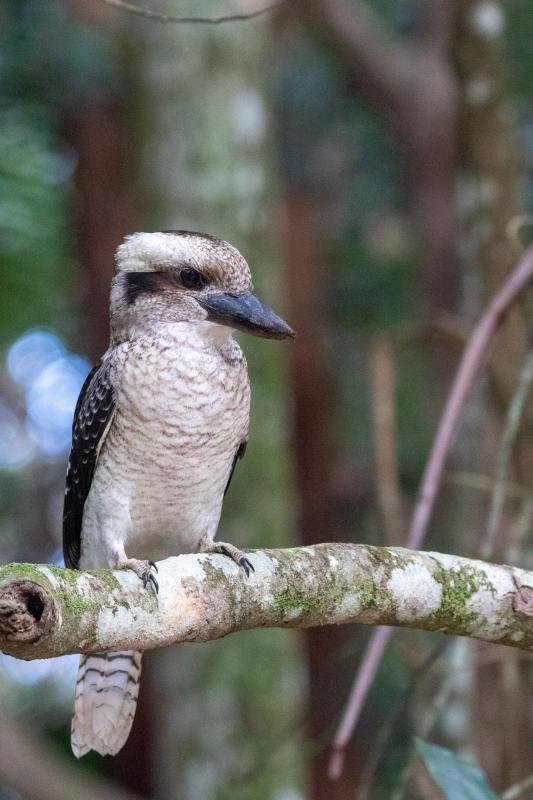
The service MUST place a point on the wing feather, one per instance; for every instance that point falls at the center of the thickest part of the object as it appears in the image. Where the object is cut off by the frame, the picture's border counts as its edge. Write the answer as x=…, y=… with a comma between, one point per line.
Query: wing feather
x=92, y=418
x=239, y=454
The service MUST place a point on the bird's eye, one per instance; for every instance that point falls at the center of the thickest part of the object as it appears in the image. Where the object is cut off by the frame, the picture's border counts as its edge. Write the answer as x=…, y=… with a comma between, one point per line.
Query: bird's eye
x=191, y=278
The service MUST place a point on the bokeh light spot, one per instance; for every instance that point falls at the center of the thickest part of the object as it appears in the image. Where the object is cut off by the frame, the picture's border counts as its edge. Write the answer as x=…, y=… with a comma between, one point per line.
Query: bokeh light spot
x=16, y=448
x=31, y=353
x=51, y=400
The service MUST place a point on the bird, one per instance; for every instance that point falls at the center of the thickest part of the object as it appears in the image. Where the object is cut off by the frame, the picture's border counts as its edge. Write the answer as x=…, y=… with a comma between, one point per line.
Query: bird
x=160, y=423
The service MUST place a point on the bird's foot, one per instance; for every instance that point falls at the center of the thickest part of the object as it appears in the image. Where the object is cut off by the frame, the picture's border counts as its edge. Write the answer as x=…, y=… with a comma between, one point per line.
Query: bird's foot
x=209, y=546
x=144, y=570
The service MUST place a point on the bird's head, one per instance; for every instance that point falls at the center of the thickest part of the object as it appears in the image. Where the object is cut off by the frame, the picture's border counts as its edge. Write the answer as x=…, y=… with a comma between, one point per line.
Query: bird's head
x=182, y=276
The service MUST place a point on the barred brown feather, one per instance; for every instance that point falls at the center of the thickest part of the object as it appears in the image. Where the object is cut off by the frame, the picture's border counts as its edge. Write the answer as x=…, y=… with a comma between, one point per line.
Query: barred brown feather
x=106, y=698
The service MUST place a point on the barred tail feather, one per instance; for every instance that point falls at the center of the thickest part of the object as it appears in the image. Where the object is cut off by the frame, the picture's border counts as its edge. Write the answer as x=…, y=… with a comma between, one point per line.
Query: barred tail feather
x=106, y=699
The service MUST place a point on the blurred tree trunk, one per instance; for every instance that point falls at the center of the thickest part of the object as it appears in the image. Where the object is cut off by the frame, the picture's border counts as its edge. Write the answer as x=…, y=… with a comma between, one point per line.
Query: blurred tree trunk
x=329, y=491
x=99, y=135
x=411, y=86
x=492, y=177
x=324, y=512
x=493, y=173
x=410, y=83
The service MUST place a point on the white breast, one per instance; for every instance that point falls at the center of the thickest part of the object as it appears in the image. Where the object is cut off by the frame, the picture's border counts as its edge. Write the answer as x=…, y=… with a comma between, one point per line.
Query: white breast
x=182, y=412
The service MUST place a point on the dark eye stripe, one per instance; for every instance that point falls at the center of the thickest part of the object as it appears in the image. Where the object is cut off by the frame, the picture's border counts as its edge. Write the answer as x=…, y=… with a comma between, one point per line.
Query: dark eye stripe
x=138, y=283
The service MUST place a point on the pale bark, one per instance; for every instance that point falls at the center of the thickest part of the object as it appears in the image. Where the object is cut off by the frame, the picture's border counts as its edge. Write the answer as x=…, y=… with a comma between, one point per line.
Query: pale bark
x=46, y=611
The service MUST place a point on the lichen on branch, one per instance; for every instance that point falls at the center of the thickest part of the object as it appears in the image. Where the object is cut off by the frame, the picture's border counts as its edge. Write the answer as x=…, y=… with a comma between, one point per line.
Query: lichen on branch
x=46, y=611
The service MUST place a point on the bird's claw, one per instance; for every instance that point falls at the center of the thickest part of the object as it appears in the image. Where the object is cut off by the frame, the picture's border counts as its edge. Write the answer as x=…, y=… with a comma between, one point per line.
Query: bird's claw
x=247, y=565
x=149, y=577
x=229, y=550
x=242, y=561
x=143, y=570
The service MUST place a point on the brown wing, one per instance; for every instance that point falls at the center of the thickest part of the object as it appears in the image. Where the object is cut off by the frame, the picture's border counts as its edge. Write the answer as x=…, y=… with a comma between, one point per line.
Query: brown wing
x=239, y=454
x=92, y=418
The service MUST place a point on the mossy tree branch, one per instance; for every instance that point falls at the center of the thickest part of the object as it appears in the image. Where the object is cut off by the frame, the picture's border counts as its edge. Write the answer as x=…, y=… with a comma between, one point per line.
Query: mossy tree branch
x=46, y=611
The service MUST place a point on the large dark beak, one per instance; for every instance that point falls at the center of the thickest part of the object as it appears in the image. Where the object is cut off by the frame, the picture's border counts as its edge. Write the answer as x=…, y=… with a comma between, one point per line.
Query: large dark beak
x=245, y=312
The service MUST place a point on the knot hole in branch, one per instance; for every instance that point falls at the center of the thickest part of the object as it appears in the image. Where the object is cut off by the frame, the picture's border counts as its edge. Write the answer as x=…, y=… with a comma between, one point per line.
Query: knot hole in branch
x=26, y=611
x=35, y=605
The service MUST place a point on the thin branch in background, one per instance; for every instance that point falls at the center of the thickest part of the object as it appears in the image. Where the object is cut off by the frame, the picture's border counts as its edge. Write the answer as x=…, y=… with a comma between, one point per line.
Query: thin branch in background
x=440, y=701
x=501, y=489
x=516, y=226
x=36, y=769
x=471, y=362
x=485, y=483
x=450, y=327
x=438, y=707
x=383, y=404
x=505, y=453
x=159, y=16
x=438, y=25
x=519, y=789
x=361, y=41
x=399, y=707
x=363, y=681
x=519, y=530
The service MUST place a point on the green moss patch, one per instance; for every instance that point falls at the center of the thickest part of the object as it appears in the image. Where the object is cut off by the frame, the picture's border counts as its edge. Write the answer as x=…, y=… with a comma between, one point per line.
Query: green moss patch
x=458, y=586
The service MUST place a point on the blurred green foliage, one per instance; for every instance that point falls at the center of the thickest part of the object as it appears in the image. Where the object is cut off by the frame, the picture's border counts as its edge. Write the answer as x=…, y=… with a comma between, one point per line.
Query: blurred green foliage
x=50, y=65
x=34, y=234
x=34, y=178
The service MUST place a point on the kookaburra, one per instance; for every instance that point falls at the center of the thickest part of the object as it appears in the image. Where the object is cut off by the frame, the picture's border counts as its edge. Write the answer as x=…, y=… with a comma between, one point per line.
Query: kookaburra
x=159, y=425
